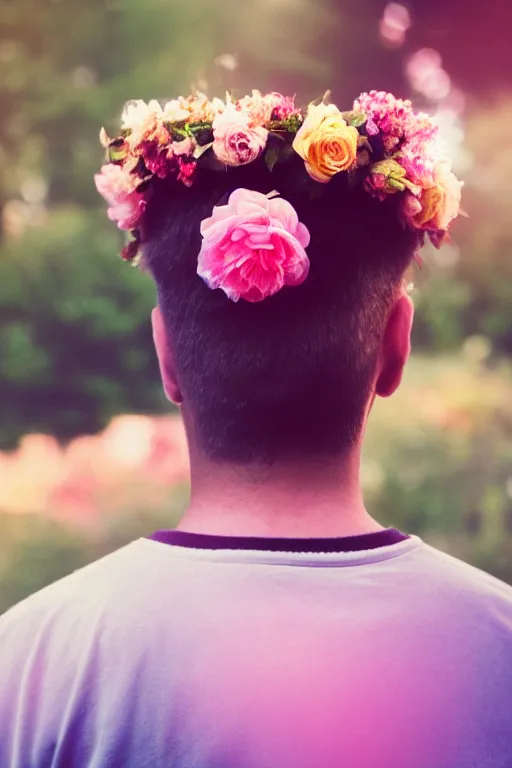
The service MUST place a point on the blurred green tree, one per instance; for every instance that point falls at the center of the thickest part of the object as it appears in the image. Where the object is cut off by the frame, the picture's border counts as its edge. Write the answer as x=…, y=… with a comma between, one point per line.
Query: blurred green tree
x=75, y=343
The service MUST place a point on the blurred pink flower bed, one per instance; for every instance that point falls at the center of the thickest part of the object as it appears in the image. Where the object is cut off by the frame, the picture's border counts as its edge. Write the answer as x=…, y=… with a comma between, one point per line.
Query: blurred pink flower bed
x=135, y=462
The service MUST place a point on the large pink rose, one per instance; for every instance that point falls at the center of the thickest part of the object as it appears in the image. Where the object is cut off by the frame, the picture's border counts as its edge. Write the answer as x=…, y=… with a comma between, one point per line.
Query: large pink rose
x=237, y=141
x=253, y=246
x=117, y=185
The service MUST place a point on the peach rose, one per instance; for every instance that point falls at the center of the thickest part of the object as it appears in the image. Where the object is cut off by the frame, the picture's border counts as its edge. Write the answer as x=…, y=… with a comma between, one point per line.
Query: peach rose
x=236, y=140
x=436, y=206
x=325, y=142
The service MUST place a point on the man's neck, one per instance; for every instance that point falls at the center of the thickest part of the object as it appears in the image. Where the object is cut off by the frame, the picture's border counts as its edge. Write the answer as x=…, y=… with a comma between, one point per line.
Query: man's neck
x=310, y=500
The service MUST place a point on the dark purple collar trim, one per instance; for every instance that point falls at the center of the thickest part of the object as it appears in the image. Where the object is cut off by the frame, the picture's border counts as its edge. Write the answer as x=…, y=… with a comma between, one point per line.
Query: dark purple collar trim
x=341, y=544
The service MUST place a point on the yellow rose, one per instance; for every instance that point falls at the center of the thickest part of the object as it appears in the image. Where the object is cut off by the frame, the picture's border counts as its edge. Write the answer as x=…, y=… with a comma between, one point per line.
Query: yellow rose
x=325, y=142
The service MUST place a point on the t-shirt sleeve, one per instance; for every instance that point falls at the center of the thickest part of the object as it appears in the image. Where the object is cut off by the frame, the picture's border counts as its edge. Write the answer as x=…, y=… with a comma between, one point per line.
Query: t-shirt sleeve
x=39, y=678
x=21, y=679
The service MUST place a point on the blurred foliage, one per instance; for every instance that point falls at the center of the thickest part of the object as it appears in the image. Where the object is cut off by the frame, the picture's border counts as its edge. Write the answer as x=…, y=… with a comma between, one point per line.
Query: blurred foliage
x=36, y=550
x=75, y=341
x=438, y=456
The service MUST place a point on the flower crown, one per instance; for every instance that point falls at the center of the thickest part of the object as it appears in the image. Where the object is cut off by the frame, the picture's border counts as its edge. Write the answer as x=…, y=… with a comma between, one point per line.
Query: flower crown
x=254, y=245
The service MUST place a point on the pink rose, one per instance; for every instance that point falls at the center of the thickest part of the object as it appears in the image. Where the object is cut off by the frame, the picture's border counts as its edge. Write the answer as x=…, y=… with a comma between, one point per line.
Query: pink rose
x=236, y=140
x=117, y=185
x=253, y=246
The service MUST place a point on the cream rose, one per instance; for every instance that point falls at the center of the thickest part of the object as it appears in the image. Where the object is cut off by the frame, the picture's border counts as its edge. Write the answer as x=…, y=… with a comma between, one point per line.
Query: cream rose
x=258, y=107
x=325, y=142
x=142, y=120
x=175, y=111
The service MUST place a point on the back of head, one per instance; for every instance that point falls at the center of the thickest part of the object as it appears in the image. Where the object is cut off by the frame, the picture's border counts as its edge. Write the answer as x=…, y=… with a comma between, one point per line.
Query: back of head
x=288, y=377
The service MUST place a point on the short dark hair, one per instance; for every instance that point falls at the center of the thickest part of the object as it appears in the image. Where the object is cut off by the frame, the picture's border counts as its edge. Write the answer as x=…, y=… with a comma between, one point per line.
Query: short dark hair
x=287, y=377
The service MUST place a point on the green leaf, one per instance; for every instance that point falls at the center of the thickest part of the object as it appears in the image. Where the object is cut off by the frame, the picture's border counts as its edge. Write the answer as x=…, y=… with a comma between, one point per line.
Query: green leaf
x=290, y=125
x=355, y=119
x=179, y=134
x=201, y=132
x=116, y=154
x=200, y=126
x=399, y=186
x=272, y=156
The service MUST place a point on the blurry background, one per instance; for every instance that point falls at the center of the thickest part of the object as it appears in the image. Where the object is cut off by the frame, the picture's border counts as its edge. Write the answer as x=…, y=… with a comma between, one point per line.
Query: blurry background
x=89, y=456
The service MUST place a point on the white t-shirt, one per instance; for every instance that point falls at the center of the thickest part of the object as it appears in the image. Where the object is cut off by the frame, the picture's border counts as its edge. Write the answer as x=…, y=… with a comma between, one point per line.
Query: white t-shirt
x=169, y=656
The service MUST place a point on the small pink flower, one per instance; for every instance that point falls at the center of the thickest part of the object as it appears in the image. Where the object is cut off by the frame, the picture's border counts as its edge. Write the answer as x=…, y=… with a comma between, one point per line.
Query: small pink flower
x=283, y=107
x=395, y=120
x=419, y=165
x=117, y=185
x=385, y=114
x=187, y=168
x=253, y=246
x=155, y=158
x=236, y=140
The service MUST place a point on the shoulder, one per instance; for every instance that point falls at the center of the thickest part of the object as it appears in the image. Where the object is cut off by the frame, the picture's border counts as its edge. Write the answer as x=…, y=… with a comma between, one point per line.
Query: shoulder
x=54, y=640
x=464, y=585
x=106, y=594
x=74, y=598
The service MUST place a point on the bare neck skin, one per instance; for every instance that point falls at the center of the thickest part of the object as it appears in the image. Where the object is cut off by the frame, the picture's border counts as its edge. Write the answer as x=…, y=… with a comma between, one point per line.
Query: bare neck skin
x=318, y=500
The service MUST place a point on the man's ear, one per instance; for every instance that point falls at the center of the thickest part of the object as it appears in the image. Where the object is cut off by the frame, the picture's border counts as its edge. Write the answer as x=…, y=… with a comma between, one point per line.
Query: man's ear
x=395, y=347
x=165, y=358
